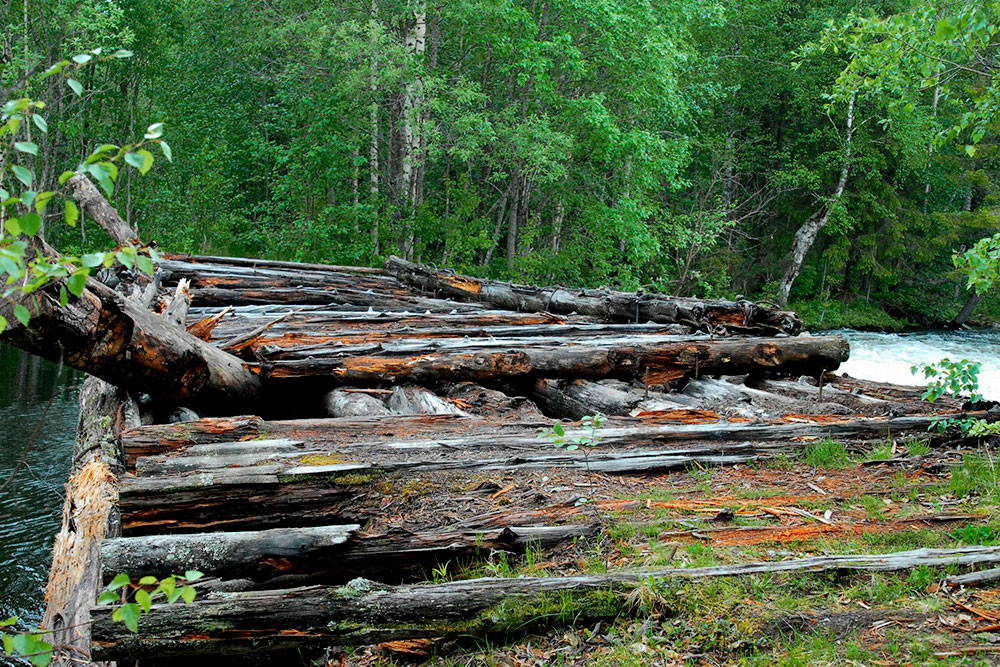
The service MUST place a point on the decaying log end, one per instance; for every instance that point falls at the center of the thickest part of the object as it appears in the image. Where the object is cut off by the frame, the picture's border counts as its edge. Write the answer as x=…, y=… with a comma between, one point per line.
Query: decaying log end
x=90, y=514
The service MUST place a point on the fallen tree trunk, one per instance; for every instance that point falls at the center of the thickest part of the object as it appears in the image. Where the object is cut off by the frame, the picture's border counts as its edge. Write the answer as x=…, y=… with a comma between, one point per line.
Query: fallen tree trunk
x=660, y=362
x=328, y=554
x=741, y=316
x=126, y=345
x=364, y=612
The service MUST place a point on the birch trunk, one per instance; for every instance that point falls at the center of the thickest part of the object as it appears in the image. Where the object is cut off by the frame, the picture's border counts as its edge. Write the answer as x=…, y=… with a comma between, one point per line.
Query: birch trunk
x=806, y=236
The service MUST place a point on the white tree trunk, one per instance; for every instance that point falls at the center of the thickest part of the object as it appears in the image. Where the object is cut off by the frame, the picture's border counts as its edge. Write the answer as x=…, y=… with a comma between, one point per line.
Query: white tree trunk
x=807, y=233
x=373, y=167
x=416, y=42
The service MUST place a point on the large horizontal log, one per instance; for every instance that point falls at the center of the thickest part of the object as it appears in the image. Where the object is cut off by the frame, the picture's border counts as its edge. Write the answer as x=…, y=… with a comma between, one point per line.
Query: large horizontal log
x=364, y=612
x=328, y=554
x=124, y=344
x=742, y=316
x=264, y=484
x=660, y=362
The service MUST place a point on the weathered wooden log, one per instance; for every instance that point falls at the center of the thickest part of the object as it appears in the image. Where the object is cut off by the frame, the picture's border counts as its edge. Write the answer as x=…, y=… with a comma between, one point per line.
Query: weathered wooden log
x=655, y=362
x=364, y=612
x=493, y=404
x=90, y=514
x=163, y=438
x=274, y=264
x=330, y=554
x=575, y=399
x=742, y=316
x=289, y=482
x=418, y=401
x=119, y=341
x=341, y=403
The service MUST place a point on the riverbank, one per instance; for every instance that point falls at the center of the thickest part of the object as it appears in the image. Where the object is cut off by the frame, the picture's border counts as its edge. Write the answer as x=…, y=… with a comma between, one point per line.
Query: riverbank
x=914, y=312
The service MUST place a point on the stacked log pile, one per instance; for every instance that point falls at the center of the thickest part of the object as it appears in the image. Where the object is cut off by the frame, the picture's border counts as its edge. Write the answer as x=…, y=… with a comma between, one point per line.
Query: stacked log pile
x=391, y=427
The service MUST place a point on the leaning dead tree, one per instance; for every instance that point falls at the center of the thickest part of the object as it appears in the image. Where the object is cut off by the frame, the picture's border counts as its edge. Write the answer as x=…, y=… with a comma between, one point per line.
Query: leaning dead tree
x=119, y=340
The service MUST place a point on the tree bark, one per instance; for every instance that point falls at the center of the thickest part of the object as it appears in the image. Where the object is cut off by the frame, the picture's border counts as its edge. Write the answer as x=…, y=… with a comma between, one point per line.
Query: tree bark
x=365, y=612
x=658, y=362
x=807, y=233
x=328, y=554
x=740, y=316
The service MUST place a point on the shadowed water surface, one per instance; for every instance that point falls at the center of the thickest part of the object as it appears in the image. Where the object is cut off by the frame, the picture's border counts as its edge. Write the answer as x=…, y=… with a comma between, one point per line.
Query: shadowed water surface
x=31, y=503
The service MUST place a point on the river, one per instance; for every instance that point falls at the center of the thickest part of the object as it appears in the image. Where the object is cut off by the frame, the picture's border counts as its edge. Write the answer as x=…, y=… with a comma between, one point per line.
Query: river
x=31, y=501
x=889, y=357
x=30, y=504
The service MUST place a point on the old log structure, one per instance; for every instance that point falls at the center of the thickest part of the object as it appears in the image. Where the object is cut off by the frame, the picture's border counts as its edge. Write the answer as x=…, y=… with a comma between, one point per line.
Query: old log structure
x=317, y=439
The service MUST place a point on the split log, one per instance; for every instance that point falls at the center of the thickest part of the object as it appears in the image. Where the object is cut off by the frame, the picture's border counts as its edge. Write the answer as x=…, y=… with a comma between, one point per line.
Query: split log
x=126, y=345
x=364, y=612
x=90, y=514
x=742, y=316
x=328, y=554
x=655, y=362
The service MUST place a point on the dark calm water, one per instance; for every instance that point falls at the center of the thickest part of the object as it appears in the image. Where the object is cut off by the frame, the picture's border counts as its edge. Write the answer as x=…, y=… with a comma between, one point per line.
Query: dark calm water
x=31, y=503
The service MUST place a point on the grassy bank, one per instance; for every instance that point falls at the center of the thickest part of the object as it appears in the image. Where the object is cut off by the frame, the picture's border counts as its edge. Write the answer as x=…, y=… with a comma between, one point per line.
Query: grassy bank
x=829, y=499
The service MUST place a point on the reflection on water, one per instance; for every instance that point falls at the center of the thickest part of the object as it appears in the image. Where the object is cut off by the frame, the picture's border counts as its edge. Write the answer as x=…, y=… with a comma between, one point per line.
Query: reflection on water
x=30, y=505
x=888, y=357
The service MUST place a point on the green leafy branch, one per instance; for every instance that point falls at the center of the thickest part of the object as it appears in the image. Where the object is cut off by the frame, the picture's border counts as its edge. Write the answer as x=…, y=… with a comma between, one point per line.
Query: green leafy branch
x=147, y=591
x=23, y=268
x=582, y=441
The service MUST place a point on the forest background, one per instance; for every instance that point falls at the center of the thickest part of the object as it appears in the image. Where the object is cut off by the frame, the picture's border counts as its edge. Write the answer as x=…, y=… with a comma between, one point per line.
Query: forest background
x=681, y=146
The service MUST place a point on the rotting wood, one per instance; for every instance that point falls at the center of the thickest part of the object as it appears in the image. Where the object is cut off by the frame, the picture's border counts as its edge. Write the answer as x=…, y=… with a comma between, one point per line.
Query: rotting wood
x=203, y=328
x=329, y=554
x=90, y=514
x=364, y=612
x=128, y=346
x=742, y=316
x=661, y=362
x=289, y=482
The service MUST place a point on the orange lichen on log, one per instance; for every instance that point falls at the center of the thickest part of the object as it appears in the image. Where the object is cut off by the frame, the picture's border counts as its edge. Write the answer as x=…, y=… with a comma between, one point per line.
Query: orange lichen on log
x=203, y=328
x=794, y=417
x=679, y=416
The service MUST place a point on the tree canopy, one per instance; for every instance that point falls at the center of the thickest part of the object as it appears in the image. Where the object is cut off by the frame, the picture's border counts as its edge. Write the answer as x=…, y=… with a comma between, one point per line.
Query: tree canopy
x=834, y=154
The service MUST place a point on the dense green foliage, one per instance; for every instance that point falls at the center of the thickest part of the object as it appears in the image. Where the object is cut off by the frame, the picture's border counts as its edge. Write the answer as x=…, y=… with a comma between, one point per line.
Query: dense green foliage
x=674, y=144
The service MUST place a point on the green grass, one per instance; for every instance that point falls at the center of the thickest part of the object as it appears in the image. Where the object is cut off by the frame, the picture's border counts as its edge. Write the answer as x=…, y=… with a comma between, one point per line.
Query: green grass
x=826, y=454
x=976, y=474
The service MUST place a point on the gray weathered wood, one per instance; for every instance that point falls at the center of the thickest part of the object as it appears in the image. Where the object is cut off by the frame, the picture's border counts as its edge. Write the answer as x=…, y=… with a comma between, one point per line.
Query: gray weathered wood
x=364, y=612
